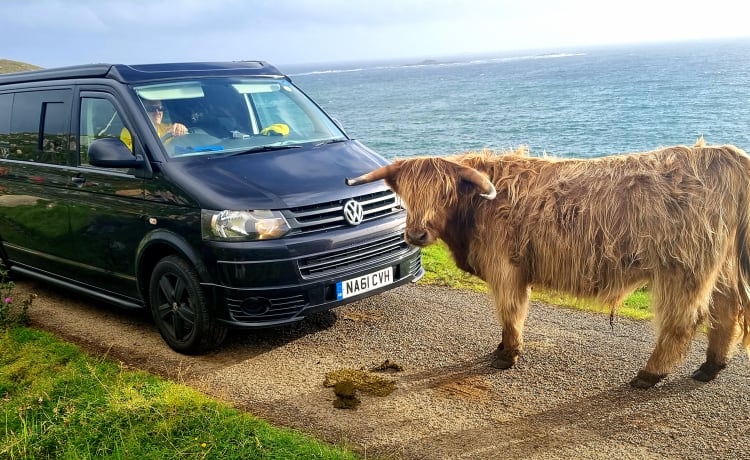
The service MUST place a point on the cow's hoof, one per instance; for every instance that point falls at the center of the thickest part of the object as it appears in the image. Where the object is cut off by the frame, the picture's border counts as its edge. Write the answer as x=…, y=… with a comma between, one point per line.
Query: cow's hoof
x=502, y=363
x=708, y=371
x=645, y=380
x=504, y=359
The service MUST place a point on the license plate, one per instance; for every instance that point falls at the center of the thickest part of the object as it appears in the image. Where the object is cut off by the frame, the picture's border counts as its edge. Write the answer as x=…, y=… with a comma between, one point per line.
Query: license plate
x=354, y=286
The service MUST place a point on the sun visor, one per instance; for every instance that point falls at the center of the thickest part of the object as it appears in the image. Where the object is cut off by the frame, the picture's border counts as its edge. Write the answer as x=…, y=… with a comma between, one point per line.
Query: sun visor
x=168, y=91
x=251, y=88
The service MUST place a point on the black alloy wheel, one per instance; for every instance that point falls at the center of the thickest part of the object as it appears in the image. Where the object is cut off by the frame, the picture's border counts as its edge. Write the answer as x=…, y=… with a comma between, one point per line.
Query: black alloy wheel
x=180, y=309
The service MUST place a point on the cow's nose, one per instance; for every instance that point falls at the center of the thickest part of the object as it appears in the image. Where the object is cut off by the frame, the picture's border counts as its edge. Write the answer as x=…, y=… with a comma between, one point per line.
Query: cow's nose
x=416, y=237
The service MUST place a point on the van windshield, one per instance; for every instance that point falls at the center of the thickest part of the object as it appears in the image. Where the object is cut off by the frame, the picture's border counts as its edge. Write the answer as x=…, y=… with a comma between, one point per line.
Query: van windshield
x=215, y=116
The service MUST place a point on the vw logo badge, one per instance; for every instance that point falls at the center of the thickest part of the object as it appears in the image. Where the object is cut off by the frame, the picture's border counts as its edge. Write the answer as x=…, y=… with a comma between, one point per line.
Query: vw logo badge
x=353, y=212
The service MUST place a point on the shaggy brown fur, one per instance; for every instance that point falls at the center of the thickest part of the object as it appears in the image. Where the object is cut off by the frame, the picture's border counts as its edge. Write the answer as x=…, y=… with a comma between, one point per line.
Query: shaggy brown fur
x=676, y=219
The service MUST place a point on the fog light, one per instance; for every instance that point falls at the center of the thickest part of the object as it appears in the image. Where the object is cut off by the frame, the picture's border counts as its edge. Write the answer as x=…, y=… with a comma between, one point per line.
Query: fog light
x=256, y=306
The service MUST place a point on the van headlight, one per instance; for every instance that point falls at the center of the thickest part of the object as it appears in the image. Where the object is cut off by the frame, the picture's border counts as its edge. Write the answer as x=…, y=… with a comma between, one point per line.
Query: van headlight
x=242, y=225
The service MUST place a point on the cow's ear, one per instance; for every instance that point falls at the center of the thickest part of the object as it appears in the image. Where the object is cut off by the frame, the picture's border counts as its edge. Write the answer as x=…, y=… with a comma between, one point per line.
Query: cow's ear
x=479, y=180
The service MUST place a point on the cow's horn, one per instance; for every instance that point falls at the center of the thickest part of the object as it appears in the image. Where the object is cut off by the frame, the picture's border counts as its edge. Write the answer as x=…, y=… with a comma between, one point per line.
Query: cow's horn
x=372, y=176
x=484, y=184
x=357, y=180
x=491, y=194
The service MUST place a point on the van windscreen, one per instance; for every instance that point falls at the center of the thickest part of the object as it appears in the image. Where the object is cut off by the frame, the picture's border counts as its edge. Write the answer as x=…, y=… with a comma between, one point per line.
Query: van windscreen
x=215, y=116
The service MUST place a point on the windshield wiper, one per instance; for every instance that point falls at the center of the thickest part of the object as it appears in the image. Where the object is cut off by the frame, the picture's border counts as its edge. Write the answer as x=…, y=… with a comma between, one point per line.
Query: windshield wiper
x=266, y=148
x=331, y=141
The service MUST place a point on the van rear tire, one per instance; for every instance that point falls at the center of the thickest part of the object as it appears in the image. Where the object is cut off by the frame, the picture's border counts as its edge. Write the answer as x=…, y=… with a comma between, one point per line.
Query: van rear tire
x=180, y=310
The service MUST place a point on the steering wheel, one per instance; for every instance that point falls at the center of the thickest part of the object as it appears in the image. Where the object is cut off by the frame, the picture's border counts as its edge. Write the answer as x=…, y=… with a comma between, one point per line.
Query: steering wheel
x=168, y=135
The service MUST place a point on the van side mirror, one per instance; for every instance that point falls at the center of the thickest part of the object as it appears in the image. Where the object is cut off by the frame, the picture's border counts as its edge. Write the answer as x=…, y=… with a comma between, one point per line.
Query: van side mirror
x=110, y=152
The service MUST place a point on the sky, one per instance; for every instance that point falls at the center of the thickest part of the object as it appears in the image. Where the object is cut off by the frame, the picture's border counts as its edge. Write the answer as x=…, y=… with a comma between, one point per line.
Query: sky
x=52, y=33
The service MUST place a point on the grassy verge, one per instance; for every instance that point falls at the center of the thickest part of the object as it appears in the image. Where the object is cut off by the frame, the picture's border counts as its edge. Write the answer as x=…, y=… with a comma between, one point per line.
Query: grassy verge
x=60, y=403
x=441, y=270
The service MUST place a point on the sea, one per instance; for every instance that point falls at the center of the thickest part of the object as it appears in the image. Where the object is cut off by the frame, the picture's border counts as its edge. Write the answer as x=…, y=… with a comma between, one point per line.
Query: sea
x=583, y=102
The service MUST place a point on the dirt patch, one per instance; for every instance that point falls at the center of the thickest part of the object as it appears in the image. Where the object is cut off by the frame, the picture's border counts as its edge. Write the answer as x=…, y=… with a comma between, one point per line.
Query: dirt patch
x=470, y=388
x=567, y=398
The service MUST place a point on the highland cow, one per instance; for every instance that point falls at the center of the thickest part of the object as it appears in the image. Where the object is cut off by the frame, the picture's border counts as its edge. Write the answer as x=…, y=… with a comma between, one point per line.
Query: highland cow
x=675, y=219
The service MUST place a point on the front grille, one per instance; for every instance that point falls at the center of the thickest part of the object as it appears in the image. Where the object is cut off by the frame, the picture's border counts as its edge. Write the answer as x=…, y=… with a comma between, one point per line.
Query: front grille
x=353, y=257
x=327, y=216
x=415, y=265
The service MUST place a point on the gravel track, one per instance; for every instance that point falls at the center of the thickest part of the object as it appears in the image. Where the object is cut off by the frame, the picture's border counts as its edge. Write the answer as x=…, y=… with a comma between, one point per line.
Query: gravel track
x=567, y=398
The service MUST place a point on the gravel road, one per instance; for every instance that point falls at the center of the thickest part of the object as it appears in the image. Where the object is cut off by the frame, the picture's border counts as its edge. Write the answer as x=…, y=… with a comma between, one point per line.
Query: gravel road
x=567, y=398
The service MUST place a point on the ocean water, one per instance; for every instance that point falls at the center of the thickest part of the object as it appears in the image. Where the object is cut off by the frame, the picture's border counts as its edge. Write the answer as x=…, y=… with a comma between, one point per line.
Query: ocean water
x=566, y=103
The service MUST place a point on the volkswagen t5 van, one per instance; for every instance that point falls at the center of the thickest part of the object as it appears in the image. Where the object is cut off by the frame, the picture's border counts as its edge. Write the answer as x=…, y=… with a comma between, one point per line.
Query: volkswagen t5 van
x=212, y=194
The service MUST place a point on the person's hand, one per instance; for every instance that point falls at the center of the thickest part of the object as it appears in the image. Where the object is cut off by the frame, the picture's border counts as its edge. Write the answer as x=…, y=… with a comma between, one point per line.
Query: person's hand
x=178, y=129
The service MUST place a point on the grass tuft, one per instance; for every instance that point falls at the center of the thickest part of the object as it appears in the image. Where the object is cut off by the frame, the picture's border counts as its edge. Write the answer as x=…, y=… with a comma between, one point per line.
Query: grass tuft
x=13, y=311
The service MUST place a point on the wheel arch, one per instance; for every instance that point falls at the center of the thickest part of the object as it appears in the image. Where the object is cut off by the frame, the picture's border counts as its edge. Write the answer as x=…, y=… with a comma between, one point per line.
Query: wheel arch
x=162, y=243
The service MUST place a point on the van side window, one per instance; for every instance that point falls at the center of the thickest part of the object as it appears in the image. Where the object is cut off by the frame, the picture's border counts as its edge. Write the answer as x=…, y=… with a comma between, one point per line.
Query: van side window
x=99, y=119
x=40, y=127
x=55, y=133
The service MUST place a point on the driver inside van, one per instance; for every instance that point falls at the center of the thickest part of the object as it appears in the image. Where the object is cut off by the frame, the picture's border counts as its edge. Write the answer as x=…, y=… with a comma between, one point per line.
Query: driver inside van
x=155, y=111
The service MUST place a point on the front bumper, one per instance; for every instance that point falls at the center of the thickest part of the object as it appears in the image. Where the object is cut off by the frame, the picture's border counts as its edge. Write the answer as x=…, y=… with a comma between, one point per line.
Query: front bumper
x=277, y=305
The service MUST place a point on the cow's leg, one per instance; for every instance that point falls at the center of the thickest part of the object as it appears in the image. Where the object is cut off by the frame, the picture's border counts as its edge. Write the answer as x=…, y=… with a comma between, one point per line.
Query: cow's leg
x=677, y=315
x=724, y=331
x=511, y=307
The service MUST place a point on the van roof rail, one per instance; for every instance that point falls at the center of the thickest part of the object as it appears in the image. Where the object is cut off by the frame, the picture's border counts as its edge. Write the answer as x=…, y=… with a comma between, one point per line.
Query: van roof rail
x=145, y=72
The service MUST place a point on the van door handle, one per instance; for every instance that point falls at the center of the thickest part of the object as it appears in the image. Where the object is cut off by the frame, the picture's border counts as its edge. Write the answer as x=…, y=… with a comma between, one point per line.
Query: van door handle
x=78, y=180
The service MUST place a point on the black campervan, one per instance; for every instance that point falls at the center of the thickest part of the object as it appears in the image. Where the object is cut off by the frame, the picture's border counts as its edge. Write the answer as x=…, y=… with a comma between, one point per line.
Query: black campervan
x=211, y=193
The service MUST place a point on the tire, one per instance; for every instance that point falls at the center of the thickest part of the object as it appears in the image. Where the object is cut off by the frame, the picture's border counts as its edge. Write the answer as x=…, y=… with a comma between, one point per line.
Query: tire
x=180, y=310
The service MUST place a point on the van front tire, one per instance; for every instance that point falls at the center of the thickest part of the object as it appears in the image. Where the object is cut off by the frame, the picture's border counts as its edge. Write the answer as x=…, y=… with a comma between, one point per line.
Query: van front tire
x=180, y=310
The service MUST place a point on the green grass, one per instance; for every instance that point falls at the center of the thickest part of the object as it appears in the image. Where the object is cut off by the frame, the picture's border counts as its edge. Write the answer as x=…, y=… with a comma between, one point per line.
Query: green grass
x=441, y=270
x=60, y=403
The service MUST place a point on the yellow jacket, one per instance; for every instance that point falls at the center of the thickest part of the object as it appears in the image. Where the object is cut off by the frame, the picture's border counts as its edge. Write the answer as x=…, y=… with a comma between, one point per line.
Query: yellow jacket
x=127, y=138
